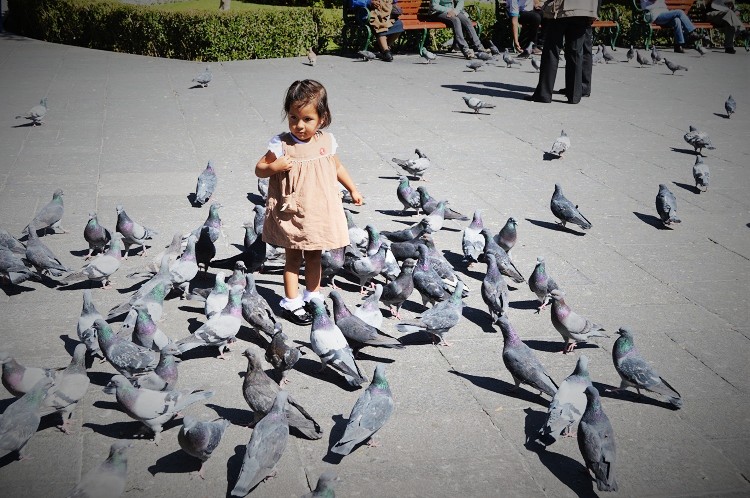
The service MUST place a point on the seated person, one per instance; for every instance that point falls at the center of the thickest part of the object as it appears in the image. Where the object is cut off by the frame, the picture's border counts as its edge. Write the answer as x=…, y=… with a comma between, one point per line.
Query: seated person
x=525, y=13
x=456, y=17
x=722, y=15
x=677, y=19
x=387, y=29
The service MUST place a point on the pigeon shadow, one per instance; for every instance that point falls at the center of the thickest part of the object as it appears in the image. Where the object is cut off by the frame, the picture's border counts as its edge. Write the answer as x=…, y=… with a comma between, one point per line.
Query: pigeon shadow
x=4, y=404
x=567, y=470
x=101, y=379
x=688, y=187
x=501, y=387
x=721, y=115
x=197, y=85
x=177, y=462
x=117, y=430
x=549, y=156
x=234, y=466
x=390, y=177
x=607, y=391
x=236, y=416
x=474, y=113
x=480, y=318
x=83, y=284
x=82, y=252
x=11, y=290
x=311, y=368
x=685, y=151
x=193, y=323
x=554, y=226
x=191, y=197
x=555, y=346
x=13, y=455
x=395, y=212
x=360, y=356
x=337, y=432
x=199, y=352
x=652, y=220
x=69, y=343
x=24, y=125
x=506, y=86
x=418, y=338
x=255, y=198
x=529, y=304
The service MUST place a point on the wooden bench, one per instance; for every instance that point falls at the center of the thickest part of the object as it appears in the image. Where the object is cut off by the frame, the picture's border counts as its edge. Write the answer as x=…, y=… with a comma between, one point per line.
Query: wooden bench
x=414, y=17
x=642, y=19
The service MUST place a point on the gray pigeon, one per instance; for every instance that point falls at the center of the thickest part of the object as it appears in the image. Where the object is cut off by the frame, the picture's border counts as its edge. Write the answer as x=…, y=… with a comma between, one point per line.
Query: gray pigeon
x=69, y=388
x=636, y=372
x=367, y=56
x=371, y=411
x=483, y=56
x=674, y=67
x=263, y=187
x=206, y=185
x=561, y=144
x=36, y=114
x=476, y=104
x=474, y=65
x=568, y=404
x=358, y=333
x=366, y=268
x=163, y=377
x=259, y=390
x=20, y=420
x=698, y=139
x=329, y=344
x=13, y=269
x=397, y=291
x=607, y=54
x=415, y=167
x=430, y=204
x=266, y=445
x=109, y=478
x=324, y=488
x=408, y=234
x=172, y=251
x=441, y=265
x=472, y=241
x=509, y=61
x=571, y=326
x=493, y=48
x=506, y=265
x=408, y=196
x=129, y=359
x=96, y=235
x=312, y=57
x=185, y=268
x=50, y=215
x=220, y=329
x=101, y=268
x=216, y=298
x=154, y=408
x=11, y=243
x=598, y=57
x=439, y=319
x=428, y=56
x=332, y=262
x=596, y=440
x=630, y=54
x=535, y=64
x=357, y=236
x=541, y=283
x=369, y=310
x=213, y=222
x=508, y=235
x=702, y=51
x=204, y=78
x=426, y=280
x=521, y=362
x=436, y=219
x=730, y=106
x=700, y=174
x=132, y=232
x=146, y=333
x=656, y=55
x=494, y=290
x=41, y=257
x=161, y=281
x=666, y=206
x=153, y=302
x=199, y=439
x=282, y=356
x=19, y=379
x=566, y=211
x=642, y=61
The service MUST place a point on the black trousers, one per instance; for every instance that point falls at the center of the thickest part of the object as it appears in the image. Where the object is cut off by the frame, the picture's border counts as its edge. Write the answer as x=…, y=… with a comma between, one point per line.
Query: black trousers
x=529, y=21
x=588, y=51
x=573, y=31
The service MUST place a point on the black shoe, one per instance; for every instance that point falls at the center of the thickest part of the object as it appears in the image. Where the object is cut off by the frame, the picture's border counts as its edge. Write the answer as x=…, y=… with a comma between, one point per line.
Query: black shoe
x=678, y=49
x=297, y=318
x=730, y=50
x=387, y=56
x=562, y=92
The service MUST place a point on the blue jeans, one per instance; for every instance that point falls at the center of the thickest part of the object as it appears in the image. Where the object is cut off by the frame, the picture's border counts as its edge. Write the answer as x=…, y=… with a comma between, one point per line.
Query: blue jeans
x=679, y=21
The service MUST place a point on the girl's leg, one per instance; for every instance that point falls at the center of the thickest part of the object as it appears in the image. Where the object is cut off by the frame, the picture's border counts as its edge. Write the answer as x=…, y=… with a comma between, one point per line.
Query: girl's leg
x=313, y=271
x=292, y=304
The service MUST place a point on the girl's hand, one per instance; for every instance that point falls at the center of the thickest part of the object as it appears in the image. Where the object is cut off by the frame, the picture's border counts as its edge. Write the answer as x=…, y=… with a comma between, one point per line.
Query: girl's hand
x=281, y=164
x=517, y=46
x=357, y=198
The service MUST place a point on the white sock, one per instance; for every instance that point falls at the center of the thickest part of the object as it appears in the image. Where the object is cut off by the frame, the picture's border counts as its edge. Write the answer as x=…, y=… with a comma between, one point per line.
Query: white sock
x=293, y=304
x=307, y=296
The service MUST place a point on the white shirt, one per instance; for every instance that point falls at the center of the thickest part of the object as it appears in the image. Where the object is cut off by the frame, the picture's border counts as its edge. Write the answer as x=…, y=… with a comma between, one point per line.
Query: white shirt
x=275, y=146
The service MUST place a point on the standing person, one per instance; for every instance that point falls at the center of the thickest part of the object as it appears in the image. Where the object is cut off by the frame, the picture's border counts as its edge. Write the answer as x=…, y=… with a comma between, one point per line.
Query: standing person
x=387, y=28
x=676, y=18
x=567, y=20
x=723, y=15
x=529, y=16
x=304, y=214
x=456, y=17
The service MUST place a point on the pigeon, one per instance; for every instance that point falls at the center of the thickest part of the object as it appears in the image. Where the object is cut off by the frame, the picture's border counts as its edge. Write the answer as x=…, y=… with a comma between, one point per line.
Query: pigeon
x=358, y=238
x=535, y=64
x=69, y=388
x=329, y=344
x=526, y=52
x=429, y=205
x=415, y=167
x=449, y=45
x=561, y=144
x=263, y=187
x=700, y=174
x=674, y=67
x=20, y=420
x=702, y=51
x=206, y=185
x=213, y=222
x=656, y=55
x=19, y=379
x=146, y=333
x=185, y=268
x=101, y=268
x=572, y=326
x=698, y=139
x=427, y=56
x=312, y=57
x=128, y=358
x=598, y=57
x=205, y=250
x=541, y=283
x=154, y=290
x=408, y=234
x=216, y=298
x=332, y=262
x=476, y=104
x=282, y=356
x=521, y=362
x=369, y=310
x=636, y=372
x=41, y=257
x=630, y=54
x=666, y=206
x=472, y=241
x=509, y=61
x=483, y=56
x=204, y=78
x=408, y=196
x=596, y=440
x=85, y=327
x=493, y=48
x=11, y=243
x=220, y=329
x=266, y=445
x=439, y=319
x=259, y=390
x=566, y=211
x=397, y=291
x=607, y=54
x=49, y=216
x=132, y=233
x=324, y=488
x=36, y=114
x=172, y=251
x=495, y=290
x=568, y=404
x=371, y=411
x=358, y=333
x=426, y=280
x=199, y=439
x=96, y=235
x=153, y=302
x=366, y=55
x=504, y=263
x=436, y=218
x=442, y=267
x=474, y=65
x=507, y=236
x=154, y=408
x=730, y=106
x=13, y=269
x=367, y=267
x=256, y=310
x=108, y=479
x=642, y=61
x=163, y=377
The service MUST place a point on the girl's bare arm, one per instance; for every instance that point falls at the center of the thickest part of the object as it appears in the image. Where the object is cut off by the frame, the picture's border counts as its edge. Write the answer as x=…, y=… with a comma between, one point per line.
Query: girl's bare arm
x=342, y=175
x=269, y=165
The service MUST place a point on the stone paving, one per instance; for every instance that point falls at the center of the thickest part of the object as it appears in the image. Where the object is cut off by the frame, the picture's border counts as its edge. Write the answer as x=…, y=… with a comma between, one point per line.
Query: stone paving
x=129, y=130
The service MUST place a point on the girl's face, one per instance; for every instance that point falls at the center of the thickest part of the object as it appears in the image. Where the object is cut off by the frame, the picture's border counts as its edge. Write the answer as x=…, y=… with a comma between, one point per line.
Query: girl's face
x=304, y=121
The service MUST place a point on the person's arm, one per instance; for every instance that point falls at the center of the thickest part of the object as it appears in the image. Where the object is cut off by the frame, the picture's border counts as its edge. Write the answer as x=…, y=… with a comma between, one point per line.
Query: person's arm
x=269, y=165
x=514, y=28
x=342, y=175
x=436, y=6
x=459, y=6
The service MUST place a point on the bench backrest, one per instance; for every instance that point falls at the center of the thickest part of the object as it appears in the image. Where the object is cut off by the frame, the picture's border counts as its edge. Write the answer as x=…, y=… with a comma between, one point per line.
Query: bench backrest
x=413, y=9
x=685, y=5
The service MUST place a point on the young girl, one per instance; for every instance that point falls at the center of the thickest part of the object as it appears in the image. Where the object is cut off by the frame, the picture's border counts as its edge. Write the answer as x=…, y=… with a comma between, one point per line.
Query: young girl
x=304, y=212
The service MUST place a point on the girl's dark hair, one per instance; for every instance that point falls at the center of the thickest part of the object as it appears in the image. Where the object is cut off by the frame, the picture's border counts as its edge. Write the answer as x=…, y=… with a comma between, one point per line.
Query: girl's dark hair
x=304, y=92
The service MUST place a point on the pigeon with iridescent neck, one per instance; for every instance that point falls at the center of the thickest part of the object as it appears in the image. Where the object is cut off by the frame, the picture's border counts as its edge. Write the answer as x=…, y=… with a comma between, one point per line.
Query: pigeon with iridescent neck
x=472, y=242
x=96, y=235
x=494, y=290
x=220, y=329
x=164, y=376
x=109, y=478
x=369, y=310
x=199, y=439
x=11, y=243
x=101, y=268
x=430, y=204
x=410, y=233
x=572, y=327
x=20, y=420
x=41, y=257
x=206, y=185
x=426, y=280
x=568, y=404
x=146, y=333
x=596, y=440
x=439, y=319
x=506, y=265
x=282, y=356
x=128, y=358
x=133, y=233
x=358, y=333
x=19, y=379
x=566, y=211
x=508, y=235
x=256, y=310
x=407, y=195
x=397, y=291
x=13, y=269
x=541, y=283
x=324, y=488
x=185, y=268
x=69, y=388
x=50, y=215
x=521, y=362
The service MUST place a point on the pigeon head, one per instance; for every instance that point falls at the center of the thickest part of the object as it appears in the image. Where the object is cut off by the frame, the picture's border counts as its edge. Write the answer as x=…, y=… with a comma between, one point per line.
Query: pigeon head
x=5, y=358
x=662, y=187
x=339, y=307
x=539, y=260
x=458, y=293
x=258, y=208
x=92, y=215
x=58, y=194
x=240, y=266
x=120, y=382
x=698, y=160
x=558, y=188
x=189, y=422
x=118, y=451
x=103, y=330
x=476, y=220
x=378, y=378
x=512, y=222
x=253, y=361
x=592, y=395
x=625, y=332
x=119, y=209
x=210, y=166
x=325, y=480
x=79, y=354
x=562, y=132
x=403, y=181
x=279, y=404
x=408, y=263
x=582, y=367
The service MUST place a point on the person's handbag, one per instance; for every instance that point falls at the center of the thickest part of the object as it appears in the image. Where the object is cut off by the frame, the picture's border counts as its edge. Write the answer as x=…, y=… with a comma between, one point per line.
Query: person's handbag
x=288, y=197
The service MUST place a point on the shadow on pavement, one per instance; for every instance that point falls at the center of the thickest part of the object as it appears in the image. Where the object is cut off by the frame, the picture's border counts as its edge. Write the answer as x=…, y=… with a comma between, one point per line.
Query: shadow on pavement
x=501, y=387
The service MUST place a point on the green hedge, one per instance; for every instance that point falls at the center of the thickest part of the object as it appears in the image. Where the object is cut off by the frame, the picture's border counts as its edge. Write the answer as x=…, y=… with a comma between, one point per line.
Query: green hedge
x=204, y=36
